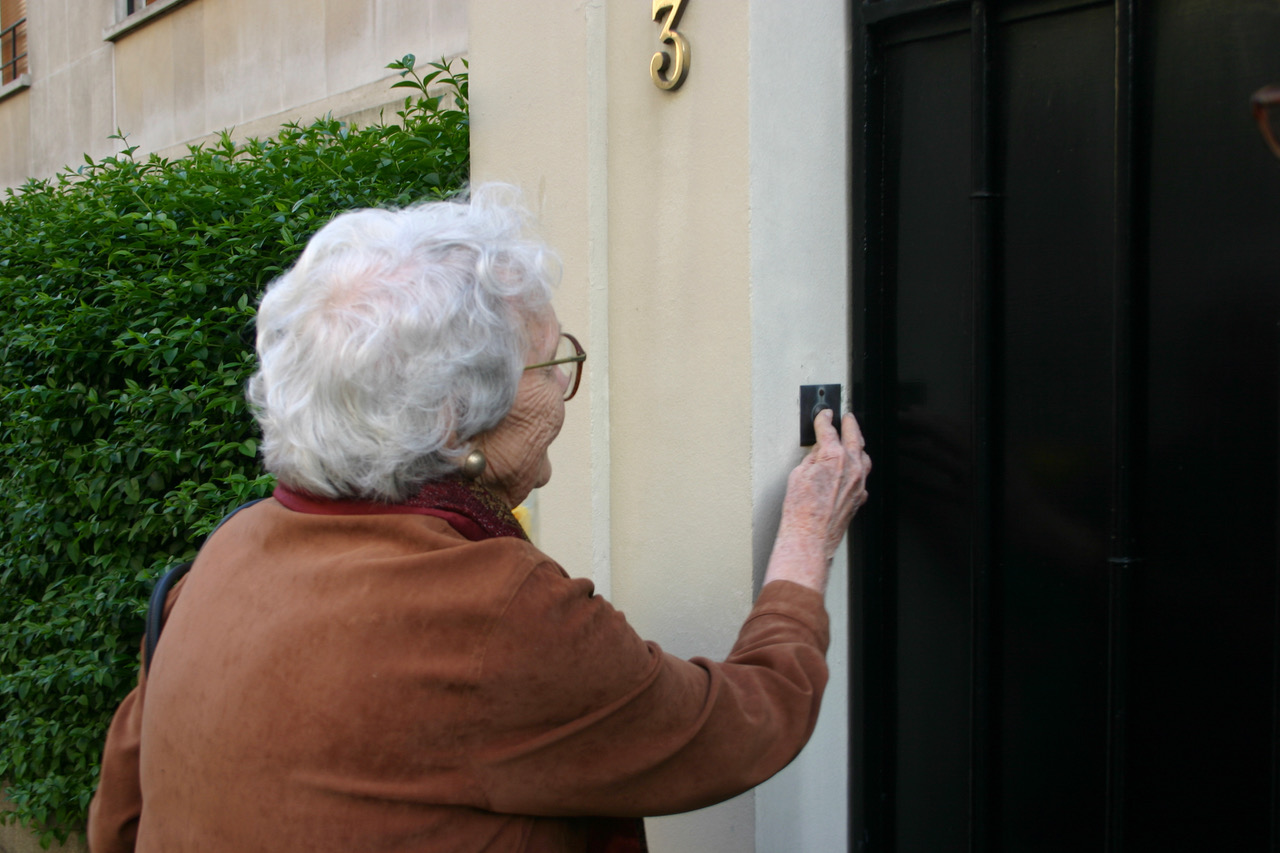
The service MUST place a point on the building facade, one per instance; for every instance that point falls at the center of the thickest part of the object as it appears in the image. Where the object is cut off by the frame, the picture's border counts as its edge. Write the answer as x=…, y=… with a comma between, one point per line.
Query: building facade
x=170, y=73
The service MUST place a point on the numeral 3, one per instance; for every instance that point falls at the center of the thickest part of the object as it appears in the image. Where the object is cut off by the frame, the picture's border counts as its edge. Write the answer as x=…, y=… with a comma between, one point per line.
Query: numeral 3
x=668, y=69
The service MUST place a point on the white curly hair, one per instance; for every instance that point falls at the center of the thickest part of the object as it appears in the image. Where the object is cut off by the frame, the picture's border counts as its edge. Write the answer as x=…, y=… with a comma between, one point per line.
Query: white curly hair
x=396, y=338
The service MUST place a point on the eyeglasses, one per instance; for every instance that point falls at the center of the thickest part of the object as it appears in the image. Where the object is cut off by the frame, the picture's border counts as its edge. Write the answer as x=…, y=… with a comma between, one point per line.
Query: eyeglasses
x=571, y=354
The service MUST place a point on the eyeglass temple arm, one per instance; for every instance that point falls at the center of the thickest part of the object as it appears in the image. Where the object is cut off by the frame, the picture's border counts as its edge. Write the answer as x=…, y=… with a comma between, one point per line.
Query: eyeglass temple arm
x=1263, y=100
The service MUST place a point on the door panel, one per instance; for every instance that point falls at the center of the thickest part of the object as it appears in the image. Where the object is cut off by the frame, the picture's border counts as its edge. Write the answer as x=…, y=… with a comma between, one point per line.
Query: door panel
x=1056, y=97
x=1205, y=612
x=930, y=211
x=1068, y=251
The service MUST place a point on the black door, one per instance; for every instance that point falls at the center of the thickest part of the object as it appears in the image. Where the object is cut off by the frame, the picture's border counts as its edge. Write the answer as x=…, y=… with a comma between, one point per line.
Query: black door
x=1066, y=302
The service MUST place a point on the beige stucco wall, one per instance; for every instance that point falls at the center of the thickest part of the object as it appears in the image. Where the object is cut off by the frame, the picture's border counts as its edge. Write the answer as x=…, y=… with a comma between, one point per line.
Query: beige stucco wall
x=704, y=240
x=205, y=66
x=45, y=127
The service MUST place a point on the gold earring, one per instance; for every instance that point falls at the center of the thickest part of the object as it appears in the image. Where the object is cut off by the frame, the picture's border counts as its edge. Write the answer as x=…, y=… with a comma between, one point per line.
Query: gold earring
x=473, y=466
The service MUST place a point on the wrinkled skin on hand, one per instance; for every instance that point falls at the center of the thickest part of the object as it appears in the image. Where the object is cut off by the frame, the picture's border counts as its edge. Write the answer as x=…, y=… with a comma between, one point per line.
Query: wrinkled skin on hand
x=823, y=493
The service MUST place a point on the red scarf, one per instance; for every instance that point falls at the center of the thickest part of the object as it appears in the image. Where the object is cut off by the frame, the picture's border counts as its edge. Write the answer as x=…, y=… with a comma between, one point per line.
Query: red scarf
x=470, y=508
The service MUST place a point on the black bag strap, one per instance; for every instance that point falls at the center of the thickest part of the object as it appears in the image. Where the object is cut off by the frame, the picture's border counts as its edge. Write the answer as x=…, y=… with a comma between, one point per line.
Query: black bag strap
x=160, y=594
x=155, y=611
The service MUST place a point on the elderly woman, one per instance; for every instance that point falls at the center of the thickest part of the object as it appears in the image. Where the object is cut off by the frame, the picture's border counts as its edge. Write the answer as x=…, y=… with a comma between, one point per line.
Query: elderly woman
x=376, y=658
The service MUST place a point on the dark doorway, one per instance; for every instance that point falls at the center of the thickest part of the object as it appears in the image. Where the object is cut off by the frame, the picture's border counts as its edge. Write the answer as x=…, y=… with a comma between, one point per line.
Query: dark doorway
x=1067, y=298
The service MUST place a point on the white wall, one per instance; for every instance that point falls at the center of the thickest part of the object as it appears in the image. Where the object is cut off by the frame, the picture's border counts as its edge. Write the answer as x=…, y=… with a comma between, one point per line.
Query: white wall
x=800, y=328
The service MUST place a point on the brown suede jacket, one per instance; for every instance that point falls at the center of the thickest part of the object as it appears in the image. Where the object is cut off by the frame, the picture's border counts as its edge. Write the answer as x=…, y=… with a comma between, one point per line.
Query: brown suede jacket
x=381, y=683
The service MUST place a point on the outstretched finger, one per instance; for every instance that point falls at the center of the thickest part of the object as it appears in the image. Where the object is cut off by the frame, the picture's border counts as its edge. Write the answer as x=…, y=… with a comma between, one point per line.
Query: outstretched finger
x=851, y=432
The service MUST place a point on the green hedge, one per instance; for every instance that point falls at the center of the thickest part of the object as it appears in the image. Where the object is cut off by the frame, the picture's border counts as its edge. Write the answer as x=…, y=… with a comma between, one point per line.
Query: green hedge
x=127, y=295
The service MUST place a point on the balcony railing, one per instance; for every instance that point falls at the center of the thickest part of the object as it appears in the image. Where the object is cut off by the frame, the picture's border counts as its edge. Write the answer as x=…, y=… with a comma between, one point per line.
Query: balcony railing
x=13, y=51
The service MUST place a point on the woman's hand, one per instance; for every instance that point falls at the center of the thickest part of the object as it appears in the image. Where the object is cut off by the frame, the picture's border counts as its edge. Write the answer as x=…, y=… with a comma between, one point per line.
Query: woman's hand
x=823, y=493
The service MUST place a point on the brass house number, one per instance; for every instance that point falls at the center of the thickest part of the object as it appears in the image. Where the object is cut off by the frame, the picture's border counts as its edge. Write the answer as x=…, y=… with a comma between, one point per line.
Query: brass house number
x=669, y=68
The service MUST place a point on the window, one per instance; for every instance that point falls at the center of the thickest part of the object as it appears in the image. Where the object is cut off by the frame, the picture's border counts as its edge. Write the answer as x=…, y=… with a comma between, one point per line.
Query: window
x=13, y=40
x=132, y=14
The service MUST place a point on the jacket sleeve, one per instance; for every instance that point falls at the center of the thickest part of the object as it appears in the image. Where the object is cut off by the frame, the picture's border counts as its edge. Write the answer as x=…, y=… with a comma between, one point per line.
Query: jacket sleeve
x=578, y=716
x=116, y=806
x=117, y=803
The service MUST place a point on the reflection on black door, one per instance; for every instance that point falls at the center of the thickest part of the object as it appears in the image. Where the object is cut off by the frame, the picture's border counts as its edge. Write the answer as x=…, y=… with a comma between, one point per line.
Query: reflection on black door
x=1067, y=298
